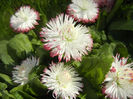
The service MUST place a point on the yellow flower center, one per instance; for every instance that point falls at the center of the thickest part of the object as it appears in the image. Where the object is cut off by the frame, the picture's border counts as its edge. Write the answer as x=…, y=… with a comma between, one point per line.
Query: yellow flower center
x=69, y=33
x=63, y=79
x=23, y=16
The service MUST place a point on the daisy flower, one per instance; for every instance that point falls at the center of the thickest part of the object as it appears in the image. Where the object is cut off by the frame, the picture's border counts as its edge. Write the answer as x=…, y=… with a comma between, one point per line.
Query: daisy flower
x=66, y=39
x=63, y=80
x=24, y=19
x=83, y=10
x=21, y=73
x=118, y=83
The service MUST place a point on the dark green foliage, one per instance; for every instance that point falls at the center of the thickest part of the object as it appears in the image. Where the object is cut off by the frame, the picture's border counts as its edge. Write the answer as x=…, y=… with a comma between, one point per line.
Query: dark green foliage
x=115, y=9
x=121, y=49
x=112, y=34
x=6, y=79
x=4, y=56
x=2, y=86
x=94, y=68
x=20, y=43
x=122, y=25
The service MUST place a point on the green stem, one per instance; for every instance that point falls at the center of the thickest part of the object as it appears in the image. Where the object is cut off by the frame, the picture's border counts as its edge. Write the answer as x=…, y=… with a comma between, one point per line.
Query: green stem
x=114, y=10
x=101, y=22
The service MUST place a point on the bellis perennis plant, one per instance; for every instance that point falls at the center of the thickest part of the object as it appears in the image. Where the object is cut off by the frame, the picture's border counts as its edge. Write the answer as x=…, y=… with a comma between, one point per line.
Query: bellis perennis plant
x=63, y=80
x=83, y=10
x=24, y=19
x=21, y=73
x=66, y=39
x=119, y=80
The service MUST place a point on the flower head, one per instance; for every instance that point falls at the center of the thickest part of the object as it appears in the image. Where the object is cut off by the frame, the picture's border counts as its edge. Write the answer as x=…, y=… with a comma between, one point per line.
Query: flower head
x=24, y=19
x=119, y=80
x=66, y=39
x=63, y=80
x=21, y=73
x=83, y=10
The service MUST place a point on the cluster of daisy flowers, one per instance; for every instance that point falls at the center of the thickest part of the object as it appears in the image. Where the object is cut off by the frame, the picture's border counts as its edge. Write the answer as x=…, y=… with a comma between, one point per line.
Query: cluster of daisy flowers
x=62, y=36
x=68, y=39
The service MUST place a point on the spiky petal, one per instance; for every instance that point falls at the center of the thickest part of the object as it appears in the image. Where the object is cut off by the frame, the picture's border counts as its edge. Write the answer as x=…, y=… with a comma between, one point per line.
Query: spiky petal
x=66, y=39
x=119, y=80
x=83, y=10
x=24, y=19
x=21, y=73
x=63, y=80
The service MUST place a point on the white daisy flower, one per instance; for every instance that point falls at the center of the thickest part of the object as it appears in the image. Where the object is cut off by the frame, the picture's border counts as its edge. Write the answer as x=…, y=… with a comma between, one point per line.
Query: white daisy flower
x=24, y=19
x=118, y=83
x=21, y=73
x=66, y=38
x=83, y=10
x=63, y=80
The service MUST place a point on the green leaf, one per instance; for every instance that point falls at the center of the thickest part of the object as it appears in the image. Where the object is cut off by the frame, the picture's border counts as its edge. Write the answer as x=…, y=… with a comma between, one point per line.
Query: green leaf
x=15, y=89
x=36, y=42
x=6, y=95
x=98, y=36
x=20, y=43
x=75, y=63
x=0, y=94
x=22, y=95
x=5, y=78
x=122, y=25
x=2, y=86
x=44, y=19
x=93, y=69
x=88, y=91
x=33, y=74
x=82, y=96
x=4, y=56
x=36, y=71
x=32, y=34
x=96, y=66
x=17, y=95
x=121, y=49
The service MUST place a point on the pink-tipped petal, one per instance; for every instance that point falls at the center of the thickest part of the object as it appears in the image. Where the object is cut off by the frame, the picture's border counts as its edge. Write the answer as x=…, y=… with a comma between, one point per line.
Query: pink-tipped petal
x=21, y=20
